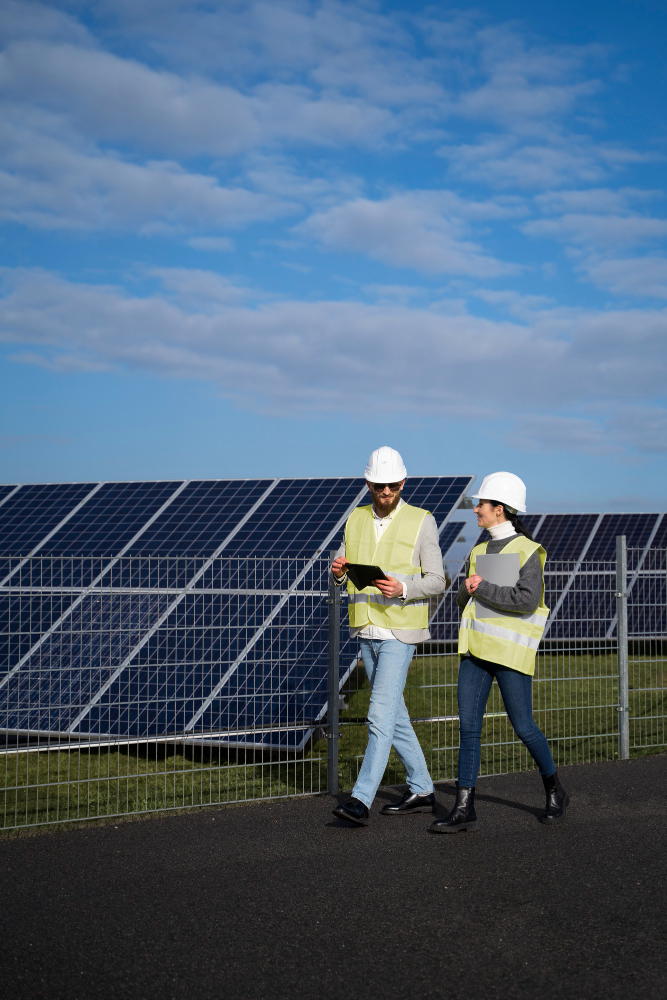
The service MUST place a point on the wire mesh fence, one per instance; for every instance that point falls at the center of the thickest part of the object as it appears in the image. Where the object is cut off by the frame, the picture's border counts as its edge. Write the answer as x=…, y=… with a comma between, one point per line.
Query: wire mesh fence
x=159, y=683
x=167, y=683
x=576, y=685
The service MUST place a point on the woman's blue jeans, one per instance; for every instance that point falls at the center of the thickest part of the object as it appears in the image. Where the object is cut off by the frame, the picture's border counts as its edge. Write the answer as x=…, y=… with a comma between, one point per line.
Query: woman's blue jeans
x=475, y=679
x=386, y=662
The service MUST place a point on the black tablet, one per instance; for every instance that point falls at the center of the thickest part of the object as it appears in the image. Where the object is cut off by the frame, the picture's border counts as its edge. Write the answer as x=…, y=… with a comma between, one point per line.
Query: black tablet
x=362, y=575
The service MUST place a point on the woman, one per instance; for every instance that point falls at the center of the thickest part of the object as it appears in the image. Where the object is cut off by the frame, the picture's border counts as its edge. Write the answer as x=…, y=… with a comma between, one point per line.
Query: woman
x=501, y=627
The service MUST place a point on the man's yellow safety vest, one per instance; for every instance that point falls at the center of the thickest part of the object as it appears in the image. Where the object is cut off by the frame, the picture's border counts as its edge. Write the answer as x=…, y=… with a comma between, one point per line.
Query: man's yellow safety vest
x=512, y=639
x=394, y=553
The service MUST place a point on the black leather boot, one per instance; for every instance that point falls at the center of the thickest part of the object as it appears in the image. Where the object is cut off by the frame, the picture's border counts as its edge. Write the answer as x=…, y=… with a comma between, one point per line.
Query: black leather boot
x=354, y=811
x=410, y=803
x=557, y=799
x=462, y=816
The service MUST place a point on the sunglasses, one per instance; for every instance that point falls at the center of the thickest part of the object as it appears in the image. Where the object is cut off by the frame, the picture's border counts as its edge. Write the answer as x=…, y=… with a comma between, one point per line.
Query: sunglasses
x=394, y=487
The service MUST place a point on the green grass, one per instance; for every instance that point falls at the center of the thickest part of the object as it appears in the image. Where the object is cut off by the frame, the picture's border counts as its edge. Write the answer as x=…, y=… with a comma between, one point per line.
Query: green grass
x=575, y=698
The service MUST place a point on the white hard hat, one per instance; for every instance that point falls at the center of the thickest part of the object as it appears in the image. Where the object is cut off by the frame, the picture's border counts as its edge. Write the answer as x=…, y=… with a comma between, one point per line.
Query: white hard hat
x=385, y=466
x=504, y=487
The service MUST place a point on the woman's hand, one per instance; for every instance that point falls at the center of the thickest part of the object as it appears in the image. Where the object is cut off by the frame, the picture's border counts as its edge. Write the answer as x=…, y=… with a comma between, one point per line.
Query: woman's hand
x=472, y=583
x=338, y=566
x=389, y=587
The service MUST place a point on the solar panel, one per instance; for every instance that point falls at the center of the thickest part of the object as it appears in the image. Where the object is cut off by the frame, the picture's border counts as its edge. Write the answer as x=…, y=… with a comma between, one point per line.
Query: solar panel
x=6, y=491
x=175, y=637
x=635, y=527
x=563, y=536
x=198, y=520
x=109, y=519
x=158, y=646
x=449, y=534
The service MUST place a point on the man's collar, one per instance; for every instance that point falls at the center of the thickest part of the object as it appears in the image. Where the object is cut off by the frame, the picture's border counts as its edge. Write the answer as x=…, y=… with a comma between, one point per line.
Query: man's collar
x=387, y=517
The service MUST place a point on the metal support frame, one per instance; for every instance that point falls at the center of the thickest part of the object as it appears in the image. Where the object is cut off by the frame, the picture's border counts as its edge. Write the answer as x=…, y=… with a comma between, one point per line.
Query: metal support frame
x=333, y=685
x=638, y=567
x=622, y=634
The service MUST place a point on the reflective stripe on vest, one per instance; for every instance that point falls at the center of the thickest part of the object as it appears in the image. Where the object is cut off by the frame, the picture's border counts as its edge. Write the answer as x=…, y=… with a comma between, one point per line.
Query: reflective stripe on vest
x=394, y=553
x=510, y=639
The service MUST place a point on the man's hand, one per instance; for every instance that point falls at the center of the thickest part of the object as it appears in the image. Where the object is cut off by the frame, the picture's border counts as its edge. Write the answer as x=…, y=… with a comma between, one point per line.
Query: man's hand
x=389, y=587
x=472, y=583
x=338, y=566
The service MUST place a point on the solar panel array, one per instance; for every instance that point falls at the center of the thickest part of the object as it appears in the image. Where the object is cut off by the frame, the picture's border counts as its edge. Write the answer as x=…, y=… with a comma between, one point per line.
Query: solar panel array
x=580, y=582
x=139, y=610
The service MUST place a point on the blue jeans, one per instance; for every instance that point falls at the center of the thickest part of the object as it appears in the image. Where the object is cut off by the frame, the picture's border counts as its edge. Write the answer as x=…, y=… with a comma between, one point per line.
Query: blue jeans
x=386, y=662
x=475, y=679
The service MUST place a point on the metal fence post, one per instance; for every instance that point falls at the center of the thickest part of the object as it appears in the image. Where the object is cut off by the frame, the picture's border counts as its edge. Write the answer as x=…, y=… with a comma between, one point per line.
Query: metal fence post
x=333, y=686
x=622, y=633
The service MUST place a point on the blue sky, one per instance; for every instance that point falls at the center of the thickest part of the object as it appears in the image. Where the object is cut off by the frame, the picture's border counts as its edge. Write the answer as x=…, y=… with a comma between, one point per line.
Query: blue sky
x=262, y=238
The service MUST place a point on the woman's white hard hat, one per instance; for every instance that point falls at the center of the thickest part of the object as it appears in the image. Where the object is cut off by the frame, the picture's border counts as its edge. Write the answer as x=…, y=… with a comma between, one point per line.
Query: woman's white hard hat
x=504, y=487
x=385, y=466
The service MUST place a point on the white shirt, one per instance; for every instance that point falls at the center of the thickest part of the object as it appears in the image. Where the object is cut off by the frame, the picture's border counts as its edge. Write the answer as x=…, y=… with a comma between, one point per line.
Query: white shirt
x=375, y=631
x=502, y=530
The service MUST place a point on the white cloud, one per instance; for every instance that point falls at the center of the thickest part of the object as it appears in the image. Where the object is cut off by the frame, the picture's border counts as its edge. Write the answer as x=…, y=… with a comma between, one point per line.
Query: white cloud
x=641, y=427
x=537, y=433
x=522, y=306
x=593, y=200
x=124, y=101
x=642, y=276
x=24, y=20
x=197, y=290
x=604, y=231
x=321, y=356
x=508, y=161
x=421, y=230
x=212, y=244
x=48, y=183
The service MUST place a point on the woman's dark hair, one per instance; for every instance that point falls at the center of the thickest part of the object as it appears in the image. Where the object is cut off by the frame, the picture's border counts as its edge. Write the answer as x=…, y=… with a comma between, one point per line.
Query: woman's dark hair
x=518, y=525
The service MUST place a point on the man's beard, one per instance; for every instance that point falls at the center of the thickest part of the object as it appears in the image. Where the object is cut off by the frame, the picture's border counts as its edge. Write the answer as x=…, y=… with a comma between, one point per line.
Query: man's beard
x=388, y=510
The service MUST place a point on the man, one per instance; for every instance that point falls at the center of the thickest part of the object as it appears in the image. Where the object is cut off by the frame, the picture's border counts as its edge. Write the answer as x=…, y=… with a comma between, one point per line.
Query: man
x=389, y=619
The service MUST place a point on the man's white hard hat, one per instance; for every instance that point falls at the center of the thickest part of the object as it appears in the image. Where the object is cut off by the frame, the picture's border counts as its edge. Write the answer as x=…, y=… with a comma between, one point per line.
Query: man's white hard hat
x=504, y=487
x=385, y=466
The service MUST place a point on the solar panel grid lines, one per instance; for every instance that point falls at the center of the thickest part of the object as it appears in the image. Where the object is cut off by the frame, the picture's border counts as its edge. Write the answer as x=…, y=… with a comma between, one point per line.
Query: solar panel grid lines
x=294, y=632
x=449, y=532
x=576, y=569
x=172, y=605
x=636, y=527
x=76, y=602
x=207, y=511
x=32, y=512
x=74, y=664
x=114, y=518
x=40, y=545
x=250, y=645
x=7, y=490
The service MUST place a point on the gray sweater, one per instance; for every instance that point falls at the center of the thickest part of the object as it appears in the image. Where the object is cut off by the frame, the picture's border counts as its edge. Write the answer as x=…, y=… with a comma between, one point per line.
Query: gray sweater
x=429, y=557
x=523, y=598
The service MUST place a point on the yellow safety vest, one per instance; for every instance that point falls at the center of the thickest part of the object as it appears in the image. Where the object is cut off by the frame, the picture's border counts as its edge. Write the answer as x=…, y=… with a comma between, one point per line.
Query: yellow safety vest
x=394, y=553
x=512, y=639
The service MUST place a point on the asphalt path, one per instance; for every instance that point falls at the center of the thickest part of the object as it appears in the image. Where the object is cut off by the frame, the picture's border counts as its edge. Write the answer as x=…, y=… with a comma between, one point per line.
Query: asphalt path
x=283, y=900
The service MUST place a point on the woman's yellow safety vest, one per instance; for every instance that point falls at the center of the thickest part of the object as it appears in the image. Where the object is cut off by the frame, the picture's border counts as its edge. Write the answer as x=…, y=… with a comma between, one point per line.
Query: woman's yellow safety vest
x=512, y=639
x=394, y=553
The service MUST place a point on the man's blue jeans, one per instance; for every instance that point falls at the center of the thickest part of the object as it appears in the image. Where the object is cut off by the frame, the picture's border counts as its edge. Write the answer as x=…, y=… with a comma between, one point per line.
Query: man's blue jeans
x=386, y=662
x=475, y=679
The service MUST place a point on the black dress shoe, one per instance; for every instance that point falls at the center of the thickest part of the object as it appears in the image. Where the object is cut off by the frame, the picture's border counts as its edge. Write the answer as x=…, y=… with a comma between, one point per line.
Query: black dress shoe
x=462, y=816
x=410, y=803
x=354, y=811
x=557, y=800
